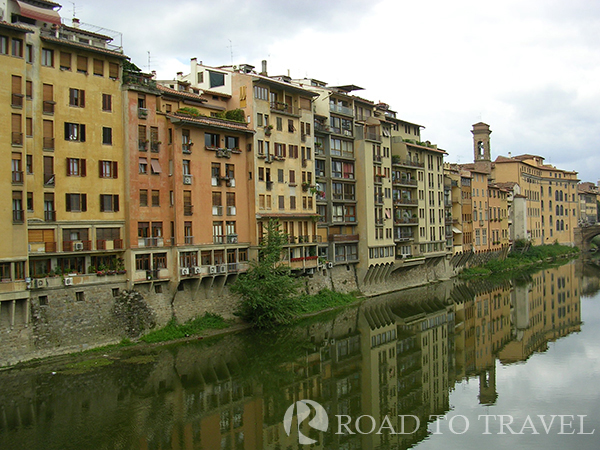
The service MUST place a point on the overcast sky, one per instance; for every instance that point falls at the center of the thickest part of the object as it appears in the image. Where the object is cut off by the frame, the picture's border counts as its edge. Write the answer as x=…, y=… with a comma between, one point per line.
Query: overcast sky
x=528, y=68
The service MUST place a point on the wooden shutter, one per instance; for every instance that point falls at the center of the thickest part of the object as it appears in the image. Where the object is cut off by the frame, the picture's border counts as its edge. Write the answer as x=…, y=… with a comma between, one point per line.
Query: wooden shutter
x=84, y=202
x=65, y=60
x=81, y=98
x=48, y=92
x=29, y=89
x=115, y=173
x=115, y=203
x=101, y=202
x=82, y=133
x=82, y=63
x=16, y=123
x=98, y=67
x=113, y=70
x=67, y=202
x=283, y=150
x=82, y=167
x=35, y=236
x=48, y=129
x=48, y=235
x=16, y=84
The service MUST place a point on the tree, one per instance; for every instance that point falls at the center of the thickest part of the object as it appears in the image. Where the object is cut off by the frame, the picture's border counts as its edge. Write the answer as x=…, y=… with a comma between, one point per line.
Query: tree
x=269, y=293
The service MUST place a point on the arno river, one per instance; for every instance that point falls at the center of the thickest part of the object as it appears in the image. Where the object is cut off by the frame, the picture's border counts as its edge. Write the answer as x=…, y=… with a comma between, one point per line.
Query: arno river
x=506, y=363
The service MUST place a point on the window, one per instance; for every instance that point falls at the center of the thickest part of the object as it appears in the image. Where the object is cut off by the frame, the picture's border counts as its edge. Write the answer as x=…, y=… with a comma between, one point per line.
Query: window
x=292, y=178
x=76, y=202
x=292, y=202
x=280, y=175
x=261, y=93
x=74, y=132
x=159, y=260
x=17, y=47
x=143, y=165
x=143, y=197
x=17, y=207
x=98, y=67
x=155, y=198
x=211, y=140
x=279, y=121
x=142, y=262
x=65, y=61
x=186, y=167
x=109, y=203
x=155, y=167
x=3, y=45
x=113, y=71
x=76, y=97
x=47, y=57
x=281, y=202
x=82, y=64
x=291, y=127
x=17, y=133
x=232, y=142
x=76, y=167
x=106, y=102
x=216, y=79
x=108, y=169
x=106, y=136
x=29, y=164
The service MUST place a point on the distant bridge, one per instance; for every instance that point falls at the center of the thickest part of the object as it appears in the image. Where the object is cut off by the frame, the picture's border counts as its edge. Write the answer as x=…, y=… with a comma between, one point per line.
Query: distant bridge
x=584, y=236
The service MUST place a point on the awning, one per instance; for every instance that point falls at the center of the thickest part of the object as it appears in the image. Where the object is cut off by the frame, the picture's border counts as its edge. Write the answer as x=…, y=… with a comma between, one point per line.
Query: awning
x=37, y=13
x=456, y=230
x=155, y=166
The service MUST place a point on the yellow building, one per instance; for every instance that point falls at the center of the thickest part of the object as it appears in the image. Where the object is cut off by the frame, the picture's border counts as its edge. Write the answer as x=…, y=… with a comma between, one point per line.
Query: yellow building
x=65, y=121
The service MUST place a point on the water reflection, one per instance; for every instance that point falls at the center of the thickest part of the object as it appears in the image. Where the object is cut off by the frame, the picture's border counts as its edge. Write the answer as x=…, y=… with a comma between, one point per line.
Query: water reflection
x=399, y=354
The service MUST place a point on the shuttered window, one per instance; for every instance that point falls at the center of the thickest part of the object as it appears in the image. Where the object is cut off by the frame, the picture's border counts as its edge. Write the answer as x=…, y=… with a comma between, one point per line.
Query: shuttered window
x=98, y=67
x=82, y=64
x=113, y=70
x=65, y=60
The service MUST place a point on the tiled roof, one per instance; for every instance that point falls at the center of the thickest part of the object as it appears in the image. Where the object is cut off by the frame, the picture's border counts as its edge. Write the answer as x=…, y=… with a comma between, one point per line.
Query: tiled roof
x=171, y=91
x=439, y=150
x=211, y=122
x=16, y=27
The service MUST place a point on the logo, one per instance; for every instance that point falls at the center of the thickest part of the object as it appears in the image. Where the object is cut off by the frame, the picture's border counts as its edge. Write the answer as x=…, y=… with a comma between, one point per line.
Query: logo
x=319, y=422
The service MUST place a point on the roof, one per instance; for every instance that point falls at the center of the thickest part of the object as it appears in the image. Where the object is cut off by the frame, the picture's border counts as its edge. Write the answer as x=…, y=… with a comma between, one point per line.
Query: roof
x=15, y=27
x=438, y=150
x=210, y=122
x=172, y=91
x=284, y=85
x=88, y=33
x=348, y=88
x=90, y=48
x=220, y=94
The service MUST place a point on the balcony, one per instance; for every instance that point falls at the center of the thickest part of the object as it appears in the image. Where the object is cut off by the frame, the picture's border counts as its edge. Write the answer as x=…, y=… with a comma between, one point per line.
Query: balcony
x=403, y=235
x=397, y=161
x=370, y=136
x=155, y=146
x=335, y=108
x=17, y=177
x=217, y=210
x=42, y=247
x=16, y=100
x=48, y=107
x=404, y=182
x=151, y=242
x=284, y=108
x=77, y=246
x=142, y=145
x=50, y=216
x=322, y=128
x=343, y=237
x=109, y=244
x=225, y=239
x=142, y=113
x=188, y=210
x=377, y=159
x=406, y=201
x=18, y=215
x=17, y=138
x=406, y=221
x=48, y=143
x=378, y=179
x=186, y=147
x=378, y=199
x=306, y=262
x=189, y=240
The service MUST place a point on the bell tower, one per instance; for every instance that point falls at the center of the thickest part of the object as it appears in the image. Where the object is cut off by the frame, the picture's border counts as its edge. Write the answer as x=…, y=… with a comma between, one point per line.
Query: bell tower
x=482, y=154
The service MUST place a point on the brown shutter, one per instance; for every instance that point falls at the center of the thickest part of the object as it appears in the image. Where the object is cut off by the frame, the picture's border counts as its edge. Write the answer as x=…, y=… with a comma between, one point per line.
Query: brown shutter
x=35, y=236
x=16, y=123
x=98, y=67
x=115, y=203
x=29, y=89
x=82, y=63
x=82, y=167
x=65, y=60
x=81, y=98
x=48, y=235
x=82, y=133
x=115, y=169
x=67, y=202
x=68, y=166
x=101, y=203
x=113, y=70
x=48, y=92
x=48, y=129
x=16, y=84
x=83, y=202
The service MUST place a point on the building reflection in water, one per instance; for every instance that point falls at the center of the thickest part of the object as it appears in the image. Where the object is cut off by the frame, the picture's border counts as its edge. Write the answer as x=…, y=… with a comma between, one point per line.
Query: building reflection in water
x=396, y=355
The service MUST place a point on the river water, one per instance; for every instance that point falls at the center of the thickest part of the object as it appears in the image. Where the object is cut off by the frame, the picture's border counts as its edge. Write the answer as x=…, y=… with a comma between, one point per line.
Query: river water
x=483, y=365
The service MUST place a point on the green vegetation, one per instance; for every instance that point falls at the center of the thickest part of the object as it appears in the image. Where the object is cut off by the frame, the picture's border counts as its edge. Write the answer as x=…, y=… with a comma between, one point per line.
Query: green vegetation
x=517, y=260
x=235, y=115
x=323, y=300
x=80, y=367
x=105, y=348
x=173, y=330
x=268, y=290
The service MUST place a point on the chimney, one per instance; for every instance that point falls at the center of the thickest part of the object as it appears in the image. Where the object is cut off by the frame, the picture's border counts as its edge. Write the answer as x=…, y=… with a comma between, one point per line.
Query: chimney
x=509, y=154
x=154, y=74
x=75, y=22
x=179, y=75
x=264, y=68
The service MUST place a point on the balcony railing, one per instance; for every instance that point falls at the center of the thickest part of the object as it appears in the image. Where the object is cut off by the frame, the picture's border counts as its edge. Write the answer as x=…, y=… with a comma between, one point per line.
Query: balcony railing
x=403, y=236
x=74, y=246
x=284, y=108
x=225, y=239
x=186, y=147
x=378, y=198
x=321, y=127
x=110, y=244
x=402, y=162
x=17, y=176
x=404, y=182
x=406, y=221
x=17, y=100
x=50, y=216
x=48, y=143
x=188, y=210
x=406, y=201
x=48, y=107
x=142, y=145
x=151, y=242
x=372, y=136
x=189, y=239
x=18, y=216
x=344, y=237
x=154, y=146
x=17, y=138
x=341, y=109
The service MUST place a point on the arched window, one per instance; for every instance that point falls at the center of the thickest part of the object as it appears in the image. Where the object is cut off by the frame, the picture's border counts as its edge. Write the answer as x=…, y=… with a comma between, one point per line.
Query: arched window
x=562, y=225
x=557, y=225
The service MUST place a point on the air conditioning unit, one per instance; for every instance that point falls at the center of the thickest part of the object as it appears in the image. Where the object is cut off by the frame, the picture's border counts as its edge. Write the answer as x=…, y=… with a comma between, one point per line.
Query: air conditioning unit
x=68, y=281
x=330, y=265
x=212, y=269
x=223, y=268
x=39, y=283
x=78, y=246
x=197, y=270
x=187, y=179
x=185, y=271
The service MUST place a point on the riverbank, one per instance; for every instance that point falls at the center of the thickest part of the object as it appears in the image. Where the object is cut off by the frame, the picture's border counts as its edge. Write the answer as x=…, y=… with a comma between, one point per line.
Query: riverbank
x=518, y=260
